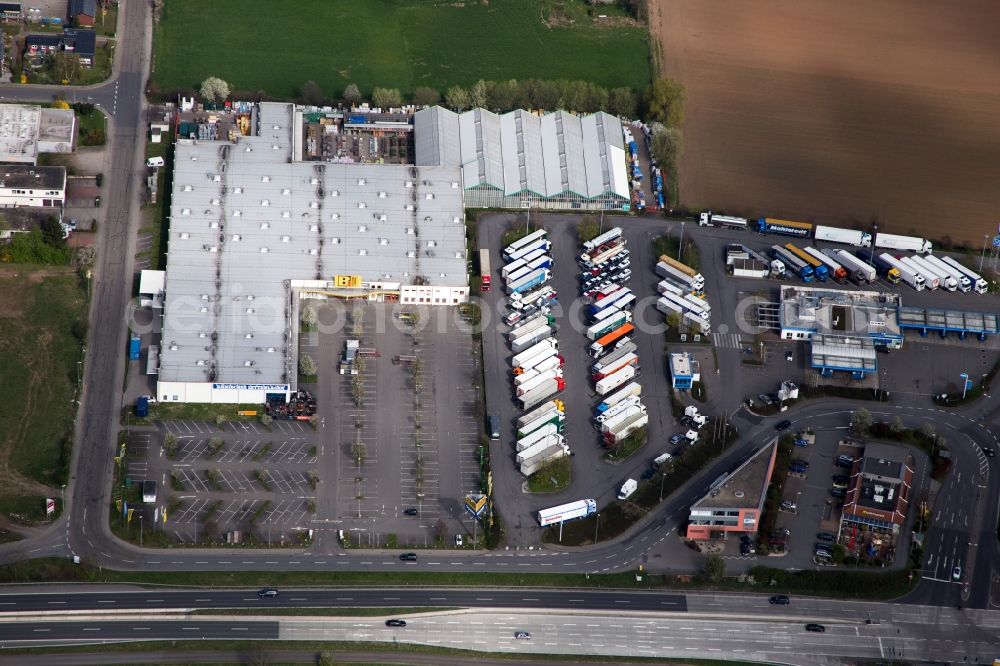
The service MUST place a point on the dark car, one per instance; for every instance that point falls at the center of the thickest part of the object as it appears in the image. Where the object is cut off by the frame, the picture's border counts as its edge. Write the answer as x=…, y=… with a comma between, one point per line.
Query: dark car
x=989, y=453
x=395, y=623
x=825, y=536
x=267, y=592
x=523, y=635
x=839, y=493
x=779, y=600
x=841, y=479
x=745, y=549
x=648, y=474
x=408, y=557
x=678, y=438
x=412, y=511
x=783, y=425
x=818, y=628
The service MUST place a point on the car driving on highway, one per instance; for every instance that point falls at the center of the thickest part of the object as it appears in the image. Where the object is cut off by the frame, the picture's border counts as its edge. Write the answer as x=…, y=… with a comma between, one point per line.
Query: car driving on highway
x=395, y=623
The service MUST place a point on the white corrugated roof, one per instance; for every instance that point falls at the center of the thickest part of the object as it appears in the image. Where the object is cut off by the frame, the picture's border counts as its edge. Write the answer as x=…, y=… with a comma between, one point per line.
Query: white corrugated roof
x=519, y=151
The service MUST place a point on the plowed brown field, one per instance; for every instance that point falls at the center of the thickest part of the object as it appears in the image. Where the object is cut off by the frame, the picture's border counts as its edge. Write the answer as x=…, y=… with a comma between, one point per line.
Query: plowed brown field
x=841, y=112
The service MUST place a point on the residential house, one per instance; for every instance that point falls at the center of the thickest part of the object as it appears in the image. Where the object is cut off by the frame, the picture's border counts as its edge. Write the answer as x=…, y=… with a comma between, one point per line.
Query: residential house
x=82, y=12
x=81, y=42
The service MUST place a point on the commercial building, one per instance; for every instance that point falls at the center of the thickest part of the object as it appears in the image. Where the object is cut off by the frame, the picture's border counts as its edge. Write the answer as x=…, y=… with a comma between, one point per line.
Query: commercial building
x=253, y=231
x=28, y=129
x=808, y=311
x=23, y=186
x=684, y=371
x=735, y=501
x=839, y=353
x=878, y=496
x=522, y=160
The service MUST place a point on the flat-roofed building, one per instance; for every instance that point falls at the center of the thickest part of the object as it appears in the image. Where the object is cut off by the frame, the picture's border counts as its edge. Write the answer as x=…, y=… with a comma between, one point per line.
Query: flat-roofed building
x=878, y=495
x=252, y=231
x=808, y=311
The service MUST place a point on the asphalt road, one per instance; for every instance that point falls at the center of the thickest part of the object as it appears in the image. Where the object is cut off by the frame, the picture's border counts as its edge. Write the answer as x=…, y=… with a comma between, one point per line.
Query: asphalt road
x=101, y=630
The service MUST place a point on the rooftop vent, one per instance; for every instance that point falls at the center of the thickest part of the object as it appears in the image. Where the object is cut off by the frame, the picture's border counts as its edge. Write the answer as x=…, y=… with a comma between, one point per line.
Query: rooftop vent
x=335, y=241
x=382, y=195
x=200, y=362
x=410, y=230
x=194, y=158
x=454, y=184
x=202, y=335
x=215, y=202
x=334, y=216
x=185, y=211
x=187, y=188
x=265, y=225
x=431, y=243
x=383, y=241
x=285, y=239
x=237, y=190
x=249, y=336
x=362, y=204
x=265, y=202
x=361, y=181
x=275, y=146
x=263, y=250
x=286, y=191
x=410, y=207
x=429, y=195
x=313, y=251
x=265, y=179
x=314, y=181
x=313, y=227
x=456, y=220
x=362, y=228
x=363, y=253
x=383, y=217
x=185, y=235
x=314, y=204
x=285, y=214
x=335, y=193
x=213, y=224
x=409, y=183
x=411, y=255
x=237, y=237
x=216, y=178
x=237, y=213
x=270, y=350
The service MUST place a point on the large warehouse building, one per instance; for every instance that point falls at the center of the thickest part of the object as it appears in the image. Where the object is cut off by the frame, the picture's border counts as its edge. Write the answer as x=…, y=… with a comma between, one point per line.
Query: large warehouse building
x=252, y=231
x=521, y=160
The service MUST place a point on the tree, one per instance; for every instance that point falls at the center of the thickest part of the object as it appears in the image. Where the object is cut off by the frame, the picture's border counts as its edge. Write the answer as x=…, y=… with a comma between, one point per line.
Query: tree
x=673, y=320
x=896, y=426
x=311, y=94
x=714, y=569
x=52, y=233
x=424, y=96
x=477, y=94
x=306, y=365
x=861, y=420
x=574, y=96
x=308, y=317
x=666, y=145
x=358, y=451
x=65, y=66
x=351, y=94
x=665, y=102
x=60, y=104
x=501, y=96
x=385, y=98
x=214, y=89
x=928, y=430
x=622, y=102
x=457, y=98
x=596, y=98
x=587, y=229
x=543, y=94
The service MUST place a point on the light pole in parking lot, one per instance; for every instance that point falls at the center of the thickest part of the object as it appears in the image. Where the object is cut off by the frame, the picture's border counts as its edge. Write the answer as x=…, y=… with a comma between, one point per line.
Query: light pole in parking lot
x=680, y=245
x=871, y=254
x=597, y=523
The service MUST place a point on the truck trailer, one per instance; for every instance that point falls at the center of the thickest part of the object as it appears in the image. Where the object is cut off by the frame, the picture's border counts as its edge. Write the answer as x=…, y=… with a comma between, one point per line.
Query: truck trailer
x=861, y=270
x=713, y=220
x=601, y=328
x=531, y=281
x=931, y=280
x=836, y=271
x=795, y=265
x=669, y=287
x=903, y=243
x=606, y=237
x=551, y=454
x=612, y=358
x=963, y=283
x=845, y=236
x=904, y=272
x=524, y=242
x=945, y=280
x=517, y=359
x=979, y=285
x=564, y=512
x=538, y=380
x=541, y=393
x=541, y=296
x=608, y=340
x=531, y=338
x=612, y=437
x=610, y=422
x=667, y=270
x=617, y=409
x=539, y=416
x=484, y=269
x=612, y=368
x=551, y=363
x=627, y=391
x=617, y=379
x=820, y=270
x=771, y=225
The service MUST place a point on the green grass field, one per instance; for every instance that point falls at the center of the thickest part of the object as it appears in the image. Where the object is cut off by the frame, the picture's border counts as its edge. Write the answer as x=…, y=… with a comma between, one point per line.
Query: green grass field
x=38, y=356
x=261, y=44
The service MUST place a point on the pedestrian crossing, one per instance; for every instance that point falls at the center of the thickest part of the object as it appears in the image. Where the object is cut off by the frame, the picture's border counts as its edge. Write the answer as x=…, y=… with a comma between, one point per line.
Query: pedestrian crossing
x=727, y=340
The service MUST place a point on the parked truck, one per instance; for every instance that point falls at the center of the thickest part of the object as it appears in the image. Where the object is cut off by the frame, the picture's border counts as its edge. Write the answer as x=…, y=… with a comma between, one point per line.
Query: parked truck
x=609, y=340
x=549, y=412
x=668, y=306
x=820, y=270
x=531, y=323
x=904, y=272
x=602, y=254
x=684, y=303
x=524, y=242
x=551, y=454
x=531, y=281
x=606, y=300
x=698, y=323
x=541, y=435
x=903, y=243
x=484, y=269
x=611, y=382
x=530, y=338
x=771, y=225
x=945, y=279
x=612, y=368
x=845, y=236
x=962, y=282
x=667, y=270
x=713, y=220
x=538, y=380
x=134, y=344
x=669, y=287
x=610, y=422
x=551, y=363
x=541, y=296
x=801, y=268
x=861, y=270
x=519, y=358
x=601, y=328
x=564, y=512
x=625, y=392
x=627, y=489
x=979, y=285
x=931, y=280
x=612, y=358
x=612, y=437
x=606, y=237
x=617, y=409
x=836, y=271
x=541, y=393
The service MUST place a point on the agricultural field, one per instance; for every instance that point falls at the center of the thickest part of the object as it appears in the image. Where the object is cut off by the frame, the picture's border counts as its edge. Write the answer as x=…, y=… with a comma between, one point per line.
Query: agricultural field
x=845, y=112
x=39, y=350
x=261, y=45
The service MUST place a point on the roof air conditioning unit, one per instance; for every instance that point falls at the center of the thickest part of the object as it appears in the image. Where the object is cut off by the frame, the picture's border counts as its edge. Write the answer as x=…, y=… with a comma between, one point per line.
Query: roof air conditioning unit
x=265, y=202
x=286, y=191
x=185, y=235
x=363, y=253
x=382, y=195
x=265, y=225
x=265, y=179
x=237, y=190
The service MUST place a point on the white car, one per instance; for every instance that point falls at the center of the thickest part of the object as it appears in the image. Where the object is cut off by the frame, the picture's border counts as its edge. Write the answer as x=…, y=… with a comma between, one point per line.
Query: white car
x=956, y=573
x=458, y=540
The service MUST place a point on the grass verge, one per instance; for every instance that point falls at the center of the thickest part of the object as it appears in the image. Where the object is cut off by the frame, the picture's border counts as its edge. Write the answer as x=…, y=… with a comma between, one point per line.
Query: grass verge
x=552, y=478
x=177, y=411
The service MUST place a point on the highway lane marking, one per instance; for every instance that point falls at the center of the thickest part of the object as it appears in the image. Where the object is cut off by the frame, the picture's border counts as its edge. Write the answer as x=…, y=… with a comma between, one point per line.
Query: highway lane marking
x=239, y=628
x=154, y=601
x=40, y=630
x=140, y=629
x=106, y=601
x=57, y=602
x=190, y=628
x=91, y=628
x=202, y=600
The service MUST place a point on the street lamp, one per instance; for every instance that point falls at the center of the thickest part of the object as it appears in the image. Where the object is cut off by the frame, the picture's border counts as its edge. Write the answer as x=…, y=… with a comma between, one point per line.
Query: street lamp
x=982, y=257
x=871, y=254
x=680, y=245
x=597, y=523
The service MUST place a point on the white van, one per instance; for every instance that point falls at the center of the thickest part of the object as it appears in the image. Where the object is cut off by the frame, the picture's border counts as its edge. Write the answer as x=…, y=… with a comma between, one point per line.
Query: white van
x=627, y=489
x=154, y=162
